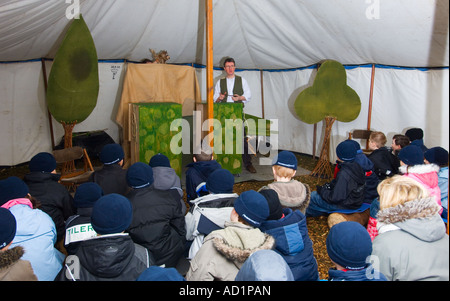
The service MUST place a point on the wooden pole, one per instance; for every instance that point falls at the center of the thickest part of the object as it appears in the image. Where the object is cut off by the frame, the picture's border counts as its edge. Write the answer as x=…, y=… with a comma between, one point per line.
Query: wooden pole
x=50, y=122
x=369, y=117
x=262, y=92
x=209, y=58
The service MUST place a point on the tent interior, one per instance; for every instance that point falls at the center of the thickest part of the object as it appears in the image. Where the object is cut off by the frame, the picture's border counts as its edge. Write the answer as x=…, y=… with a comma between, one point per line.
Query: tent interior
x=396, y=56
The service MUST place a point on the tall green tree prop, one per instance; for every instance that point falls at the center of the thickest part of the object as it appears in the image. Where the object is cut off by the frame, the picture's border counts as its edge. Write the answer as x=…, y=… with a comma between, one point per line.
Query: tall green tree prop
x=73, y=81
x=329, y=98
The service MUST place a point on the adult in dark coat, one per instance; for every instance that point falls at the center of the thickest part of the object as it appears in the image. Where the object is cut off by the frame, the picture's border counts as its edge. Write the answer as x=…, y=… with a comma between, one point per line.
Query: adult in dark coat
x=158, y=221
x=55, y=199
x=111, y=177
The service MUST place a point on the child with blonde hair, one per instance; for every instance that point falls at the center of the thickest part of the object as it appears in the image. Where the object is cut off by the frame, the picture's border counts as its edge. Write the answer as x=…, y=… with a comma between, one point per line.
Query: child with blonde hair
x=292, y=193
x=412, y=243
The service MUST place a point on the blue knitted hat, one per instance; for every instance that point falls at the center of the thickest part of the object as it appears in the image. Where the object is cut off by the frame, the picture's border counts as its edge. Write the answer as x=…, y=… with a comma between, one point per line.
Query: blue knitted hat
x=111, y=153
x=139, y=175
x=8, y=227
x=252, y=207
x=87, y=194
x=286, y=159
x=349, y=245
x=112, y=213
x=411, y=155
x=12, y=188
x=346, y=151
x=220, y=181
x=43, y=162
x=437, y=155
x=159, y=160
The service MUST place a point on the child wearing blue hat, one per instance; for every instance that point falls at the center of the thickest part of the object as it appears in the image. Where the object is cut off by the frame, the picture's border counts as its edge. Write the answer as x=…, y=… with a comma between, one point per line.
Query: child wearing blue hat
x=292, y=193
x=346, y=191
x=55, y=199
x=412, y=165
x=78, y=227
x=211, y=211
x=224, y=251
x=12, y=267
x=112, y=176
x=439, y=156
x=349, y=247
x=112, y=255
x=35, y=230
x=158, y=221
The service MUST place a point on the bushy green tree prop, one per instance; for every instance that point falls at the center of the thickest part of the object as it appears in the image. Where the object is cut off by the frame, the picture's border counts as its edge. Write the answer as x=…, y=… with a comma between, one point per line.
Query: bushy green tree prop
x=329, y=98
x=73, y=83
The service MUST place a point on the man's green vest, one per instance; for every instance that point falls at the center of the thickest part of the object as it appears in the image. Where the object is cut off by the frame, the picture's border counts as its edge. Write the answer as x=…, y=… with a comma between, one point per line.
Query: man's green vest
x=237, y=89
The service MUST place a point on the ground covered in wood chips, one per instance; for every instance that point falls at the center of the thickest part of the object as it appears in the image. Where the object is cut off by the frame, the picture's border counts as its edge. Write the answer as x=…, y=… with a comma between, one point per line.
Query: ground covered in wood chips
x=317, y=227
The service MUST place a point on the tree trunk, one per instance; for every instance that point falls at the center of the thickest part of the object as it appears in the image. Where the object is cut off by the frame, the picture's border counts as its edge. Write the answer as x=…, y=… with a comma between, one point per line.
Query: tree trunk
x=323, y=167
x=68, y=128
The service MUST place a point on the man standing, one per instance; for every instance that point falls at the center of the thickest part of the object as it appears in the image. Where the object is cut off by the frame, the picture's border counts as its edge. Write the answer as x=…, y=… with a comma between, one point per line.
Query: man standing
x=234, y=88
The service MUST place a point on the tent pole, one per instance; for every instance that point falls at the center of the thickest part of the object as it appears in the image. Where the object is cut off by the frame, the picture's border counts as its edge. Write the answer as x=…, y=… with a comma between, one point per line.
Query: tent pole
x=209, y=59
x=369, y=117
x=262, y=92
x=44, y=72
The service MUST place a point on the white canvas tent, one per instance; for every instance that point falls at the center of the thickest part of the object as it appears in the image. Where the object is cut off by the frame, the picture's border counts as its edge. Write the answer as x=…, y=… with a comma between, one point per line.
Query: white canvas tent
x=276, y=45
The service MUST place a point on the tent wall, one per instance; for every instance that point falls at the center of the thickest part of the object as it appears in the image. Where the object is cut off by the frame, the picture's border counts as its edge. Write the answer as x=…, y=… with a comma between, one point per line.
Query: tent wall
x=402, y=98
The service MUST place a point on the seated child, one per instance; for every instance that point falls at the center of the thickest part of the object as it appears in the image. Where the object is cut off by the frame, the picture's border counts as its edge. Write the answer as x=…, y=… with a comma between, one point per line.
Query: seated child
x=158, y=222
x=165, y=177
x=415, y=135
x=292, y=193
x=385, y=163
x=12, y=267
x=198, y=171
x=292, y=241
x=439, y=156
x=210, y=212
x=78, y=227
x=412, y=165
x=265, y=265
x=349, y=247
x=225, y=251
x=399, y=141
x=346, y=191
x=111, y=177
x=55, y=199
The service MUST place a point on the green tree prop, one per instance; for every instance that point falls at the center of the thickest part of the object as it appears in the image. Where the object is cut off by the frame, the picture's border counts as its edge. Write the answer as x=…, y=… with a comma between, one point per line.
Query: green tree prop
x=329, y=98
x=73, y=83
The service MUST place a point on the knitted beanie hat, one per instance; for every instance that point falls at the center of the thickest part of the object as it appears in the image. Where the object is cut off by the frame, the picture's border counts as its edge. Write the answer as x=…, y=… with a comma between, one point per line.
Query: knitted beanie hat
x=411, y=155
x=159, y=160
x=111, y=153
x=252, y=207
x=12, y=188
x=286, y=159
x=437, y=155
x=87, y=194
x=8, y=227
x=346, y=151
x=275, y=208
x=139, y=175
x=112, y=213
x=414, y=134
x=42, y=162
x=220, y=181
x=349, y=244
